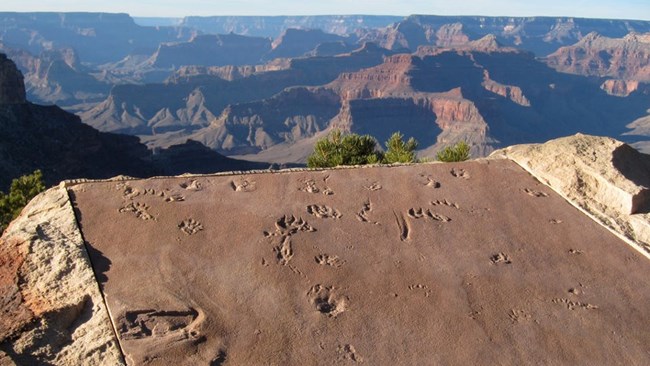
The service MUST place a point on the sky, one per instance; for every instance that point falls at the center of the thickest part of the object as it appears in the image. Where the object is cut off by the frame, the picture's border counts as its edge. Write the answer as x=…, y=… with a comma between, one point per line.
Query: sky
x=611, y=9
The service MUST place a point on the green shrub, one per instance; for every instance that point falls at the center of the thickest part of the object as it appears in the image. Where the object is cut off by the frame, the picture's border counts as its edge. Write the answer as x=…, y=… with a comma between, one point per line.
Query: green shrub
x=458, y=152
x=22, y=190
x=339, y=149
x=398, y=151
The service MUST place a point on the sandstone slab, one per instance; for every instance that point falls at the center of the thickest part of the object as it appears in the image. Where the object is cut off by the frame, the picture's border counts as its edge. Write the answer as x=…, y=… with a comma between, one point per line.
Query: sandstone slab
x=52, y=310
x=607, y=178
x=462, y=263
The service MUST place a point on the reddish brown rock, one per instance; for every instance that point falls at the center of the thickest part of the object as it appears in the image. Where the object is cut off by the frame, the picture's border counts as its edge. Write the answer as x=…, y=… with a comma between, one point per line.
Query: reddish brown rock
x=15, y=313
x=451, y=35
x=511, y=92
x=620, y=88
x=626, y=58
x=374, y=265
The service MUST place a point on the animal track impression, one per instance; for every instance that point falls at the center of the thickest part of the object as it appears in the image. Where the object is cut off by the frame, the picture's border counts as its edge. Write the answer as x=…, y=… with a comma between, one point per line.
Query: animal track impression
x=131, y=193
x=403, y=227
x=420, y=286
x=193, y=185
x=445, y=203
x=139, y=209
x=309, y=186
x=289, y=225
x=174, y=197
x=534, y=193
x=500, y=258
x=375, y=186
x=430, y=182
x=243, y=185
x=285, y=227
x=418, y=213
x=128, y=191
x=573, y=305
x=190, y=226
x=323, y=212
x=284, y=251
x=365, y=210
x=348, y=352
x=518, y=316
x=326, y=260
x=460, y=173
x=327, y=301
x=142, y=324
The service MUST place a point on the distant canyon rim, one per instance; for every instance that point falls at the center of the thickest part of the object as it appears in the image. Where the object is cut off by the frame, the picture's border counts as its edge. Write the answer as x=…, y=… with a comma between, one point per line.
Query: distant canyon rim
x=265, y=88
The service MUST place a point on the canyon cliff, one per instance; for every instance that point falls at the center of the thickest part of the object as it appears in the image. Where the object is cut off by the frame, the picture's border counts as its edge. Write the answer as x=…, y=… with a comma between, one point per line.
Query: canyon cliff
x=481, y=92
x=540, y=35
x=12, y=88
x=626, y=58
x=62, y=147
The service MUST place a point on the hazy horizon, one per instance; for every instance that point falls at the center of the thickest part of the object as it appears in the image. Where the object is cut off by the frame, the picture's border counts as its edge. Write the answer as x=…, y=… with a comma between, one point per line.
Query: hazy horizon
x=604, y=9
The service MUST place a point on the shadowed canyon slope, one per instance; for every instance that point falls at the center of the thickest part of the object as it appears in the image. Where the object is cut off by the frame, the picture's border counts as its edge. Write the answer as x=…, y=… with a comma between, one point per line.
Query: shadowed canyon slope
x=186, y=99
x=212, y=50
x=459, y=263
x=55, y=141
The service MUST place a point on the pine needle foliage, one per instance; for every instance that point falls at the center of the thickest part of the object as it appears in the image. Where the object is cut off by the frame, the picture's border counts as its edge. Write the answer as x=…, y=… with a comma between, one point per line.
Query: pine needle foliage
x=344, y=149
x=456, y=153
x=22, y=190
x=398, y=151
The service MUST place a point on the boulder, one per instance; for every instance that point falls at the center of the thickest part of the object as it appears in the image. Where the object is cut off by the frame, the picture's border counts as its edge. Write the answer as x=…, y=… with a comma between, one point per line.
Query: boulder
x=52, y=309
x=605, y=177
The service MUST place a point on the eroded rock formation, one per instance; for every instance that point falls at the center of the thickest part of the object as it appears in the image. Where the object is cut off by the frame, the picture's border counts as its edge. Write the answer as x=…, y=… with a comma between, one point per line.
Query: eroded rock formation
x=212, y=50
x=620, y=88
x=626, y=58
x=56, y=142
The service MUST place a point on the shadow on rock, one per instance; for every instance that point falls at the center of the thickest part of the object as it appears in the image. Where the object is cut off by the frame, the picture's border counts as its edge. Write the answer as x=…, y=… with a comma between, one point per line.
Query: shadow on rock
x=635, y=166
x=100, y=264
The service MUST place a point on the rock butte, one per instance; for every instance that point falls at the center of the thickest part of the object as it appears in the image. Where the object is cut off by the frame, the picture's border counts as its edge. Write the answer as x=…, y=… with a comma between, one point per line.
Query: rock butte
x=459, y=263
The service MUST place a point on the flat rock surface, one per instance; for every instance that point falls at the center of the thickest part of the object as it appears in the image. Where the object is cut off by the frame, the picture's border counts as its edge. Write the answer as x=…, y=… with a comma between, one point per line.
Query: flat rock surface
x=460, y=263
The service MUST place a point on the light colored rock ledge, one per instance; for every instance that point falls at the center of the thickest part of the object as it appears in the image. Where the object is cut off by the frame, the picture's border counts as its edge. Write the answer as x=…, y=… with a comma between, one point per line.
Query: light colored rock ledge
x=604, y=178
x=57, y=314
